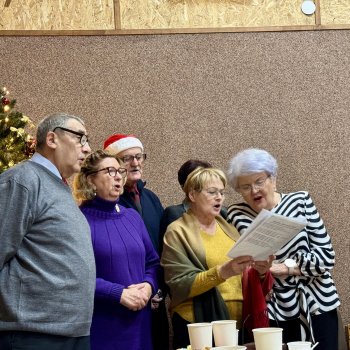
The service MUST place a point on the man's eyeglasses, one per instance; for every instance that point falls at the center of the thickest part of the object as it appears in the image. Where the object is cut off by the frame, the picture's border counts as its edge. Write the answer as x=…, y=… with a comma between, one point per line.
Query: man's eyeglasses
x=214, y=192
x=140, y=157
x=83, y=139
x=112, y=171
x=257, y=185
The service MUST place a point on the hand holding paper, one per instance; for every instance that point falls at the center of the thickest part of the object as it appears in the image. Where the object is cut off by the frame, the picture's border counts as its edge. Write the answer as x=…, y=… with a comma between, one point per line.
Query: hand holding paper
x=235, y=266
x=268, y=233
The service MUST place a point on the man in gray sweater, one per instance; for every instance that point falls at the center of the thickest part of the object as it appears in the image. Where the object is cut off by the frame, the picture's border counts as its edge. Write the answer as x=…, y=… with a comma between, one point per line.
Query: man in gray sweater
x=47, y=268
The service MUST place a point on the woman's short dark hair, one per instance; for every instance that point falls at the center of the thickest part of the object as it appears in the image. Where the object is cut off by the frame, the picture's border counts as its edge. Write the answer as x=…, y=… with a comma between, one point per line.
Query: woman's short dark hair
x=187, y=168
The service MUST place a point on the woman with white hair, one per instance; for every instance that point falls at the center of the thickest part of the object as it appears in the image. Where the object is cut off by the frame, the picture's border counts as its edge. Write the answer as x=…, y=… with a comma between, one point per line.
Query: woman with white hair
x=304, y=299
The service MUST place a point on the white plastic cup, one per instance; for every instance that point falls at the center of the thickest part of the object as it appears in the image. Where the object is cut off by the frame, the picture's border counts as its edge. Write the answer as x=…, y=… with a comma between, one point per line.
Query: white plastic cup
x=200, y=335
x=299, y=345
x=269, y=338
x=225, y=332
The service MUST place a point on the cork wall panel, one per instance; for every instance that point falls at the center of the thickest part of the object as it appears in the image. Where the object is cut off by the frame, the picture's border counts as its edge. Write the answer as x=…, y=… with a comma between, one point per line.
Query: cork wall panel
x=56, y=15
x=335, y=12
x=206, y=96
x=155, y=14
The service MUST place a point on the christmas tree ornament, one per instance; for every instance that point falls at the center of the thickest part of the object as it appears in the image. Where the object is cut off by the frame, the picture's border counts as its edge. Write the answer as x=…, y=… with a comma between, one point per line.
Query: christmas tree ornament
x=16, y=144
x=5, y=100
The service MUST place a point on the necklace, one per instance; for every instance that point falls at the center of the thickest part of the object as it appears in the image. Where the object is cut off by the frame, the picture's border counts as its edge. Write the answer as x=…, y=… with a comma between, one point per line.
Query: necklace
x=117, y=209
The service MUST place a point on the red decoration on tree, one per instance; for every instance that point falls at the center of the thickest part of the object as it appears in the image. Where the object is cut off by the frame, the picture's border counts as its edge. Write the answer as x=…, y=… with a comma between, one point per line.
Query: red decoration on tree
x=30, y=146
x=5, y=101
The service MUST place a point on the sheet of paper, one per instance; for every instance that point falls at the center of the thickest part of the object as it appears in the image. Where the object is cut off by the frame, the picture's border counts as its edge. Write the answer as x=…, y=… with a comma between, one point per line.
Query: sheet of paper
x=267, y=234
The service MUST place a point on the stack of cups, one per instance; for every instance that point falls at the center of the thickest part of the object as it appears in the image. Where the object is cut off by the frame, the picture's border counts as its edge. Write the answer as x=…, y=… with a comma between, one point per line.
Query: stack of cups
x=200, y=335
x=268, y=338
x=225, y=333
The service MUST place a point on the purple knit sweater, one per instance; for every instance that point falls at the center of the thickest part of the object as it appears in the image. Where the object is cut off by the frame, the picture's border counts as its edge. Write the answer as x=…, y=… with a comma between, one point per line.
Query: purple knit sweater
x=124, y=255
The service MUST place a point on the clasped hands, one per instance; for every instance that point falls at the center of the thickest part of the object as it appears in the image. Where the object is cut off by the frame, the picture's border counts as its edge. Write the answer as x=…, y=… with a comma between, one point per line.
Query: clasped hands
x=136, y=296
x=237, y=265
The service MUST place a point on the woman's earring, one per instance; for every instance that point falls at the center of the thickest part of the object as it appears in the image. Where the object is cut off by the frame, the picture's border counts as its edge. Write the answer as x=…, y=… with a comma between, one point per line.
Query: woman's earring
x=94, y=192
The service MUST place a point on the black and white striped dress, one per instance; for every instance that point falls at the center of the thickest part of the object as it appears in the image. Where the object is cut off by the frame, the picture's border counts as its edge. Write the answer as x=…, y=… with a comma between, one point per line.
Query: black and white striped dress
x=314, y=291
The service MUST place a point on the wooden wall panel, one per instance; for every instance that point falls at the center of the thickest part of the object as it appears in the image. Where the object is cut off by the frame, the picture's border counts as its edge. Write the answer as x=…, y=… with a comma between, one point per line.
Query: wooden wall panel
x=90, y=17
x=335, y=12
x=157, y=14
x=56, y=14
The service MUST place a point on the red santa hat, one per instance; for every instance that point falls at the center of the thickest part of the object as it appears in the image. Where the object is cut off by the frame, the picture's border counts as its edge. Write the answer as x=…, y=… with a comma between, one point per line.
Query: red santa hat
x=120, y=142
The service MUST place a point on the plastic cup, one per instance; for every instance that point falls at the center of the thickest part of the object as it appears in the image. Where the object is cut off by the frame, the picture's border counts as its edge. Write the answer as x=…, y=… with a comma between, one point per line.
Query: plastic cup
x=230, y=347
x=225, y=332
x=200, y=335
x=269, y=338
x=299, y=345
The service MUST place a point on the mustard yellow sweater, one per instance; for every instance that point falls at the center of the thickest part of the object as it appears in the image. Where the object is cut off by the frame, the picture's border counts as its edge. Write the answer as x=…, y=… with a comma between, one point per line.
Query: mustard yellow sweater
x=216, y=247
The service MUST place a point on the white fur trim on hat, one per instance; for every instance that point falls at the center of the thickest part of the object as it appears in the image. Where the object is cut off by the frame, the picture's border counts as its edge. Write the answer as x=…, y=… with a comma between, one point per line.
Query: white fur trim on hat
x=124, y=143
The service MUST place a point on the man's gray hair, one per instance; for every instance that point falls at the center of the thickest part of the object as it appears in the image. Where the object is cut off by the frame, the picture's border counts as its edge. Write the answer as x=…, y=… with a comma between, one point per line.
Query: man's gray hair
x=51, y=122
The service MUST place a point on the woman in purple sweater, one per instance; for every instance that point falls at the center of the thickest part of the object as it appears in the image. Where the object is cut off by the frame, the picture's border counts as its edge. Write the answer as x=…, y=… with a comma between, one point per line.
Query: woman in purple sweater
x=127, y=266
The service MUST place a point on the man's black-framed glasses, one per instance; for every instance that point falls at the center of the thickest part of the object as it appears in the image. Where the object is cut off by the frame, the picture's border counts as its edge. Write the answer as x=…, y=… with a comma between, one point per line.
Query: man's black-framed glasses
x=112, y=171
x=83, y=138
x=140, y=157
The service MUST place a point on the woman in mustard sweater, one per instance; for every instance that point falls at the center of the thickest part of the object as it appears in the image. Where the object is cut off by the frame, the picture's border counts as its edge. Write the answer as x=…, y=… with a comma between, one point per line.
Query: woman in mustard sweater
x=205, y=285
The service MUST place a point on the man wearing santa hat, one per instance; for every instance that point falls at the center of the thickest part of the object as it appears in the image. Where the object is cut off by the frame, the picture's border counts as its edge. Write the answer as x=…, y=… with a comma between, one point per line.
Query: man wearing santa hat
x=130, y=150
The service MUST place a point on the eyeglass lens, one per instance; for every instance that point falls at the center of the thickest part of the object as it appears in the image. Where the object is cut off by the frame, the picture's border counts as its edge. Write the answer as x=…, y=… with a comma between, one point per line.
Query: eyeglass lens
x=257, y=185
x=140, y=157
x=214, y=192
x=84, y=139
x=113, y=171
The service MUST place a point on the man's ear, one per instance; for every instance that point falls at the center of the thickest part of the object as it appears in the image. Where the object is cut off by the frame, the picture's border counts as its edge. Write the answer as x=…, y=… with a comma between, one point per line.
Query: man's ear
x=51, y=140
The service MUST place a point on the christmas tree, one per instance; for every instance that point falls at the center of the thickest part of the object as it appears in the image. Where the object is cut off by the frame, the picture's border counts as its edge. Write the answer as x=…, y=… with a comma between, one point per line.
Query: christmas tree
x=16, y=144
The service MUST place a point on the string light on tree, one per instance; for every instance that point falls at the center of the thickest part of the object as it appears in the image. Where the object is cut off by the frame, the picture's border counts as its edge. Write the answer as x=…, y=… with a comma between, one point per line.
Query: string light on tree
x=16, y=144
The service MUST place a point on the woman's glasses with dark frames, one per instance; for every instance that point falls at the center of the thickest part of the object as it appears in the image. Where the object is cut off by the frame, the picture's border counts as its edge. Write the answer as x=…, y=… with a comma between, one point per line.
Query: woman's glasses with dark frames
x=112, y=171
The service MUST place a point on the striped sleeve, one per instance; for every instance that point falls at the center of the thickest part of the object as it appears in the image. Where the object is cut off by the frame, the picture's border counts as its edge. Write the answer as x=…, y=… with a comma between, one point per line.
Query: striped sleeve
x=314, y=291
x=312, y=246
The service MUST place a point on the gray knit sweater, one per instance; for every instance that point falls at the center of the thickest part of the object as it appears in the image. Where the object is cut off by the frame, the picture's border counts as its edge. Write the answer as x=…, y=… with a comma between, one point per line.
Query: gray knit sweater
x=47, y=268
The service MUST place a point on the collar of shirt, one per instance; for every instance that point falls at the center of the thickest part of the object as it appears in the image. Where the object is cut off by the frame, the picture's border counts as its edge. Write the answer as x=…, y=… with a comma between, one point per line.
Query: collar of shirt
x=39, y=159
x=132, y=189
